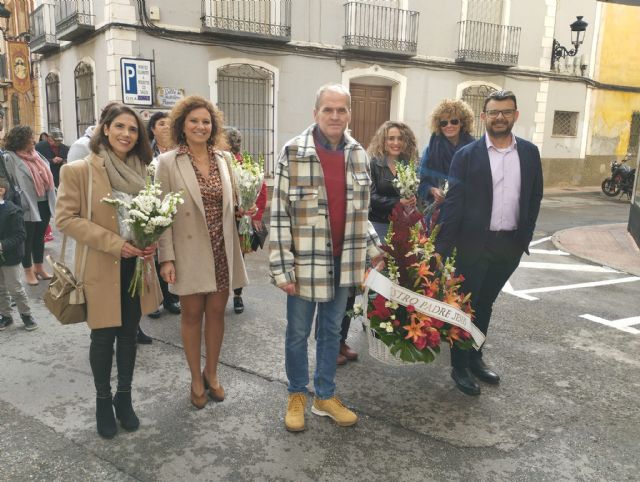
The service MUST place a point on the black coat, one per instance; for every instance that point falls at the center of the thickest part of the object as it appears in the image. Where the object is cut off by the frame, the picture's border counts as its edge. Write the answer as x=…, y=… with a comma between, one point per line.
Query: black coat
x=12, y=234
x=44, y=148
x=469, y=201
x=384, y=195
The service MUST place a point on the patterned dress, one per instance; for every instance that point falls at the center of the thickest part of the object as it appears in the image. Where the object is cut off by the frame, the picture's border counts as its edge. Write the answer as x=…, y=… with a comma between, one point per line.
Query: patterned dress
x=211, y=192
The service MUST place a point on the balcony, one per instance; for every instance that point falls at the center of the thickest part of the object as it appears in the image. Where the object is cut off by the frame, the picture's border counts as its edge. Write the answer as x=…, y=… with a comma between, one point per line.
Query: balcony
x=73, y=19
x=381, y=29
x=488, y=44
x=258, y=19
x=43, y=37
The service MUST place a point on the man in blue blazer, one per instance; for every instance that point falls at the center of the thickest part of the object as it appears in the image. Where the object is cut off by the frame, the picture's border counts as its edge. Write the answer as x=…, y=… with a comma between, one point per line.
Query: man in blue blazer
x=490, y=214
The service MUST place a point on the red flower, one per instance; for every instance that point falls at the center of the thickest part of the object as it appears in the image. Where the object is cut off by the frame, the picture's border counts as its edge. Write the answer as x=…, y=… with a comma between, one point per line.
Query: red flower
x=436, y=323
x=420, y=343
x=380, y=310
x=433, y=337
x=411, y=309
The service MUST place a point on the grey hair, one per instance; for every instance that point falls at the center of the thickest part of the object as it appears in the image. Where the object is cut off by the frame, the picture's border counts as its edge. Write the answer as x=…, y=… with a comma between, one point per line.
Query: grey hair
x=333, y=87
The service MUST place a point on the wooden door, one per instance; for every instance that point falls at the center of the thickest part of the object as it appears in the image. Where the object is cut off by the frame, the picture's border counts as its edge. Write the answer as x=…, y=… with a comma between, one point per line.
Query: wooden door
x=370, y=107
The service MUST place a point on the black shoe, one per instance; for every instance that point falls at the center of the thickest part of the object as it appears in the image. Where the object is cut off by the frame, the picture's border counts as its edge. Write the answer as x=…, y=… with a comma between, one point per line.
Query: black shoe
x=155, y=315
x=465, y=381
x=238, y=305
x=5, y=321
x=484, y=373
x=143, y=338
x=124, y=411
x=29, y=323
x=173, y=308
x=105, y=419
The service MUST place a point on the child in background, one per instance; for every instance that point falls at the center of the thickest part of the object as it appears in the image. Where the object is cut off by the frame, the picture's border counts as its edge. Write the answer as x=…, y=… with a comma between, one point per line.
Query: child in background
x=12, y=236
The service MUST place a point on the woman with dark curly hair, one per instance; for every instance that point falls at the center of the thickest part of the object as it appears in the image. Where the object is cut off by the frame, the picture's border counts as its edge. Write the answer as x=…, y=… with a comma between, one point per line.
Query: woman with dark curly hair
x=394, y=142
x=120, y=153
x=451, y=127
x=200, y=255
x=32, y=174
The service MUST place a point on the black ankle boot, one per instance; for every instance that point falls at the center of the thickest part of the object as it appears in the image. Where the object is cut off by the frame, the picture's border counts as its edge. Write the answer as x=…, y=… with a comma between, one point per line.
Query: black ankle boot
x=104, y=418
x=124, y=411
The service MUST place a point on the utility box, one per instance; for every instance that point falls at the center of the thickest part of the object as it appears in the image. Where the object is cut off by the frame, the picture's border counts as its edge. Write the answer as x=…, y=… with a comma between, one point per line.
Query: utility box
x=154, y=13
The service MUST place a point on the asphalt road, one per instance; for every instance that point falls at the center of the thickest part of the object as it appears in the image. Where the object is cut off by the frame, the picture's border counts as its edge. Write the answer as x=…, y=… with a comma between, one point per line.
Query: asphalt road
x=567, y=407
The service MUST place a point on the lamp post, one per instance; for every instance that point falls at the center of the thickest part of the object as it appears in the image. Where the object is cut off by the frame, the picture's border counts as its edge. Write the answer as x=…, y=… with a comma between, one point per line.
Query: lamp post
x=577, y=37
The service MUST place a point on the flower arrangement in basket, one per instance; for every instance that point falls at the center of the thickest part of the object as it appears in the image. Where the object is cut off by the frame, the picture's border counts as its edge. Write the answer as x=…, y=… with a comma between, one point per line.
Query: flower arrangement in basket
x=147, y=216
x=416, y=304
x=249, y=174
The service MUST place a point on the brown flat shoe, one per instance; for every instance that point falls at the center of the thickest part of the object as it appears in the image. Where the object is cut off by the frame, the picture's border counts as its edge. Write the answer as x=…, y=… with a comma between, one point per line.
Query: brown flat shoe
x=348, y=352
x=216, y=394
x=198, y=401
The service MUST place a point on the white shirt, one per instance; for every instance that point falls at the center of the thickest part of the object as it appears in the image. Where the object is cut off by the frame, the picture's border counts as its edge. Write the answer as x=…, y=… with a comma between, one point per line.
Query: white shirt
x=505, y=174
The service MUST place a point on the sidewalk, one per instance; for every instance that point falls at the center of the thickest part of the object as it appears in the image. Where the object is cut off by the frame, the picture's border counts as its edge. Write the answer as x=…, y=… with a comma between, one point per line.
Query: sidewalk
x=608, y=244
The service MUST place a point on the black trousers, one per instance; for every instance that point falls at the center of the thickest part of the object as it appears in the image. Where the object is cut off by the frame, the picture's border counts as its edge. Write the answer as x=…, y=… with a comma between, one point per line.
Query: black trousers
x=486, y=271
x=124, y=337
x=34, y=242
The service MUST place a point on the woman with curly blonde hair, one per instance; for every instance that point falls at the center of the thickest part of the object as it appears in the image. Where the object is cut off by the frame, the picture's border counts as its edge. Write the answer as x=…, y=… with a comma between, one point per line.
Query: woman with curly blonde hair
x=200, y=255
x=394, y=142
x=451, y=127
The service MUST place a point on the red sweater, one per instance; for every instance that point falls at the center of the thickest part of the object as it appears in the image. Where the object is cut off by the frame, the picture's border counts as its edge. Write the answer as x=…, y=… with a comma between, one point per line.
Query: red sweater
x=332, y=163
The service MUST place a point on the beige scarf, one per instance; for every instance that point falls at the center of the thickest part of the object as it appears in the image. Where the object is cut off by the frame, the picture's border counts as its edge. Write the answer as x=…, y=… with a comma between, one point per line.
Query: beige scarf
x=125, y=176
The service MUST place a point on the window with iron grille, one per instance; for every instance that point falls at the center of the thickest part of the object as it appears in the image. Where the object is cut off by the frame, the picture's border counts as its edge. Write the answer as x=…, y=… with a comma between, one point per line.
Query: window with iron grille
x=52, y=87
x=15, y=109
x=246, y=96
x=634, y=134
x=489, y=11
x=85, y=113
x=475, y=96
x=565, y=123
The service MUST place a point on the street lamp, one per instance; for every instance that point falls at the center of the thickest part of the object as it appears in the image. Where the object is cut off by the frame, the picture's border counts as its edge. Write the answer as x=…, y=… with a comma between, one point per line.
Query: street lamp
x=4, y=13
x=577, y=37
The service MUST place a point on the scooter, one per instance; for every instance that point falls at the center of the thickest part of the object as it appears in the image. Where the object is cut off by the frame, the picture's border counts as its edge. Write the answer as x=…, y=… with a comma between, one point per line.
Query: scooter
x=621, y=179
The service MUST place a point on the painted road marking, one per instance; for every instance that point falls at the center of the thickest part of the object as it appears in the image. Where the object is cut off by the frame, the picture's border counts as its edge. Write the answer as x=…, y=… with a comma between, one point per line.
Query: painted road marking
x=587, y=268
x=508, y=288
x=623, y=324
x=590, y=284
x=539, y=241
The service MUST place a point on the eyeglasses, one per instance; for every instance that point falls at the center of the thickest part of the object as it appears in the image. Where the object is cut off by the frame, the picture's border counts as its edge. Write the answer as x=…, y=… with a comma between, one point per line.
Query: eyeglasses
x=506, y=113
x=445, y=123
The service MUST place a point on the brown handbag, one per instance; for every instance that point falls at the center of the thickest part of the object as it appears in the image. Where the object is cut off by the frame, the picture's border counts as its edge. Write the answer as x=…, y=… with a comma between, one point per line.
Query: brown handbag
x=64, y=297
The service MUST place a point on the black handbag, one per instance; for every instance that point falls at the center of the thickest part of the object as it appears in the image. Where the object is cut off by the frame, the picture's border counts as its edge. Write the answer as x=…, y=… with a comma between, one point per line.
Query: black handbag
x=258, y=237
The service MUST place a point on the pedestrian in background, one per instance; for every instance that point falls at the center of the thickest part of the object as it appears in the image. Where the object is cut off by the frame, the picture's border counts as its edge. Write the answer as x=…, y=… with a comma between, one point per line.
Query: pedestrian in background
x=159, y=130
x=31, y=173
x=54, y=151
x=320, y=237
x=234, y=139
x=200, y=254
x=12, y=236
x=451, y=125
x=490, y=213
x=118, y=161
x=81, y=148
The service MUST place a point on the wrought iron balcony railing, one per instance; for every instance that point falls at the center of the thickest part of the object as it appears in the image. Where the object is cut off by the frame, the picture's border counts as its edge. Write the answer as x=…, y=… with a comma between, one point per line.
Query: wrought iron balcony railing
x=488, y=43
x=380, y=29
x=73, y=19
x=42, y=31
x=264, y=19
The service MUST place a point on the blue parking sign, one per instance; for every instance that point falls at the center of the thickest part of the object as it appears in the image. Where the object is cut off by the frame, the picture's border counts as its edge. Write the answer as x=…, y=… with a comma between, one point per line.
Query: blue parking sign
x=136, y=79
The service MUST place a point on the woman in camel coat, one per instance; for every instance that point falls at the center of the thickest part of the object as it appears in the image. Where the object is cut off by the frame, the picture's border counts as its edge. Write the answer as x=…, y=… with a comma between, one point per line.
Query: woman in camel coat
x=121, y=151
x=200, y=254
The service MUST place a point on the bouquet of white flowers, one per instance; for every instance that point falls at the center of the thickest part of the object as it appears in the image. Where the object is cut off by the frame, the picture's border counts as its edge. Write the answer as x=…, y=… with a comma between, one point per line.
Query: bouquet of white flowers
x=249, y=175
x=406, y=181
x=148, y=217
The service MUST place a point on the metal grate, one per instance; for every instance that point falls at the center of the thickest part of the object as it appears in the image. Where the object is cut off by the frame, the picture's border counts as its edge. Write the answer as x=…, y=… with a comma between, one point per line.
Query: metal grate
x=69, y=12
x=85, y=114
x=52, y=88
x=262, y=18
x=246, y=96
x=488, y=43
x=565, y=123
x=634, y=134
x=475, y=96
x=380, y=28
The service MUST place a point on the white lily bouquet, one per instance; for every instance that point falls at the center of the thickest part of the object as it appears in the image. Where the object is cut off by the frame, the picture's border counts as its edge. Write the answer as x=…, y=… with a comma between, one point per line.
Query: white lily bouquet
x=148, y=217
x=406, y=181
x=249, y=175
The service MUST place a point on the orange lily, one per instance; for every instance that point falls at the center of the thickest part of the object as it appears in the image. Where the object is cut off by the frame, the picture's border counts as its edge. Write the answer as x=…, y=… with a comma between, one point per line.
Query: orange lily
x=414, y=329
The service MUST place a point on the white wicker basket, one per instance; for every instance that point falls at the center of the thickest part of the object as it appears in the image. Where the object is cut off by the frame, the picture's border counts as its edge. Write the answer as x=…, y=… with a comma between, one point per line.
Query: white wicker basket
x=378, y=350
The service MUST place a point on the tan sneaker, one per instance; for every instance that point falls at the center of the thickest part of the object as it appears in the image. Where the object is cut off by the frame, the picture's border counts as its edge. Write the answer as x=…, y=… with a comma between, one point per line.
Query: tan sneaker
x=336, y=410
x=294, y=419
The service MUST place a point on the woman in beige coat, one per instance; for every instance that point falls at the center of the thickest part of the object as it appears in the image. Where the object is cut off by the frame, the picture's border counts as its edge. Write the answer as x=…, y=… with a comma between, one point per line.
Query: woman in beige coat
x=200, y=254
x=121, y=151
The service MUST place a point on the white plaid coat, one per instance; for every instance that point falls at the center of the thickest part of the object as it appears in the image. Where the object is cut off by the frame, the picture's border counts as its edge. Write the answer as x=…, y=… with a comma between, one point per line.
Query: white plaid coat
x=300, y=237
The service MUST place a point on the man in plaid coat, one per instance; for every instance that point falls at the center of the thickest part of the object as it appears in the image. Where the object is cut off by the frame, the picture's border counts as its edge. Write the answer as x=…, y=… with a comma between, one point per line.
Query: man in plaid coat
x=320, y=237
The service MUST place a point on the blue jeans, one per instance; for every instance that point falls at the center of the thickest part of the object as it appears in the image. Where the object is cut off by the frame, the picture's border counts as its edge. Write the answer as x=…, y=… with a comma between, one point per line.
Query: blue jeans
x=300, y=315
